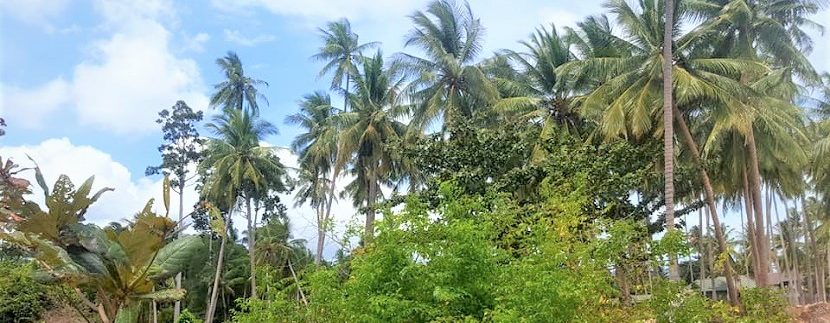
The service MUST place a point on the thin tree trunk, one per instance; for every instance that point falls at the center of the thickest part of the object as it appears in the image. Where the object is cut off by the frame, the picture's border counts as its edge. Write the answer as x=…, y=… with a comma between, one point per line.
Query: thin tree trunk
x=370, y=211
x=700, y=248
x=709, y=194
x=750, y=225
x=346, y=94
x=219, y=261
x=321, y=235
x=686, y=233
x=297, y=281
x=668, y=131
x=711, y=259
x=330, y=203
x=786, y=270
x=819, y=290
x=761, y=275
x=794, y=256
x=155, y=309
x=177, y=308
x=745, y=229
x=251, y=245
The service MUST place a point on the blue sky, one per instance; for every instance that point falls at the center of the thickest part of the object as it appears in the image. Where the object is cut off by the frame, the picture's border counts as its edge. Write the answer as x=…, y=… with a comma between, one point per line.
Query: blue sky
x=81, y=81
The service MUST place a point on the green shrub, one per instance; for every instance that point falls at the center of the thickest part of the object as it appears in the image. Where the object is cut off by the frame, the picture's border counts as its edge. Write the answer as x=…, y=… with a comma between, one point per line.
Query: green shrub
x=187, y=317
x=22, y=299
x=676, y=302
x=764, y=305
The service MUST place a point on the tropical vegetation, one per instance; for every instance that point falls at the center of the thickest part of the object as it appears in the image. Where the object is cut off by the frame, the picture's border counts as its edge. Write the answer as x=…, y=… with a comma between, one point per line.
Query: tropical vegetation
x=594, y=173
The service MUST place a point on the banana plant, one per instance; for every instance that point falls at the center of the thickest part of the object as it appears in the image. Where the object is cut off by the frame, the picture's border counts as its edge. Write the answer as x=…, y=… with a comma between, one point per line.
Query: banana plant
x=121, y=267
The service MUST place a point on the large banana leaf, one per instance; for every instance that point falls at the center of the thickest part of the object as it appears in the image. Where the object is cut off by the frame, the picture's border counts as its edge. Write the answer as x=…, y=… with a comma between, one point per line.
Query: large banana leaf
x=173, y=257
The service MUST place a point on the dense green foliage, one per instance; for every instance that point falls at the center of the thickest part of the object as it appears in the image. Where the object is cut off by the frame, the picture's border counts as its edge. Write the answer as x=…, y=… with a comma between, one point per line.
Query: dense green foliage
x=535, y=185
x=22, y=299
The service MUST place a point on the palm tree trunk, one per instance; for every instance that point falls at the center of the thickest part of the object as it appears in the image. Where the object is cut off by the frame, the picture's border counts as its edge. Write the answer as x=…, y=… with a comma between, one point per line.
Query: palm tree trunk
x=761, y=275
x=750, y=225
x=723, y=248
x=700, y=252
x=711, y=258
x=796, y=273
x=785, y=269
x=819, y=290
x=251, y=245
x=330, y=203
x=215, y=292
x=346, y=94
x=321, y=235
x=370, y=210
x=668, y=132
x=177, y=308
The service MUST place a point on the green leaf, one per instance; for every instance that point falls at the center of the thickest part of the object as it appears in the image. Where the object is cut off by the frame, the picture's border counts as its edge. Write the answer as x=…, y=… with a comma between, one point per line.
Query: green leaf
x=173, y=257
x=39, y=177
x=166, y=295
x=128, y=314
x=217, y=222
x=90, y=262
x=166, y=195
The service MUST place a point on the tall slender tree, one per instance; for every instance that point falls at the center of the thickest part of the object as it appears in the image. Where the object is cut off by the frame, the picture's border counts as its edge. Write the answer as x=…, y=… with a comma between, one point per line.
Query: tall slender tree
x=241, y=168
x=668, y=129
x=367, y=132
x=317, y=150
x=182, y=148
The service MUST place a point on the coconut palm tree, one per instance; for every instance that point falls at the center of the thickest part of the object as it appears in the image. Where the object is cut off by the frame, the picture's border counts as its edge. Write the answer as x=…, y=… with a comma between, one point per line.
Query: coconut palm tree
x=668, y=128
x=237, y=88
x=313, y=189
x=447, y=84
x=341, y=51
x=771, y=32
x=317, y=149
x=537, y=93
x=368, y=130
x=239, y=167
x=628, y=96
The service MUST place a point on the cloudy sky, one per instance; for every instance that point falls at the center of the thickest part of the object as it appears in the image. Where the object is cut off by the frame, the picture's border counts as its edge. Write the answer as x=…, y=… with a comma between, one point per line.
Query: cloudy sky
x=81, y=81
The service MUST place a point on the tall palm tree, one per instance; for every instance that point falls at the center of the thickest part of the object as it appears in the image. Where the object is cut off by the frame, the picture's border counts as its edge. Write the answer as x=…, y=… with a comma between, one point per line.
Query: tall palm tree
x=313, y=189
x=770, y=32
x=341, y=51
x=447, y=84
x=237, y=88
x=627, y=94
x=317, y=149
x=368, y=130
x=239, y=167
x=668, y=129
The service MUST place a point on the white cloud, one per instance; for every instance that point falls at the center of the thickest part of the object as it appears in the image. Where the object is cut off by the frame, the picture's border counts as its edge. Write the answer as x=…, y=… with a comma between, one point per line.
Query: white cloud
x=61, y=156
x=127, y=78
x=236, y=37
x=197, y=43
x=323, y=9
x=35, y=12
x=134, y=76
x=28, y=107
